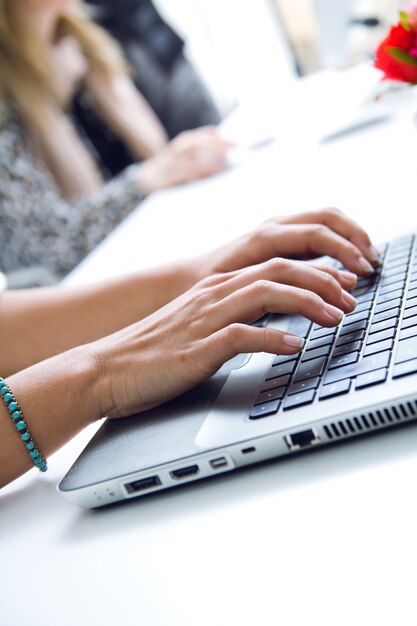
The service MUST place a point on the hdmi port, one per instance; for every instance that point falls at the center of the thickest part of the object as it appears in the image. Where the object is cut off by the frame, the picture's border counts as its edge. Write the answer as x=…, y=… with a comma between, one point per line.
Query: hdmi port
x=184, y=472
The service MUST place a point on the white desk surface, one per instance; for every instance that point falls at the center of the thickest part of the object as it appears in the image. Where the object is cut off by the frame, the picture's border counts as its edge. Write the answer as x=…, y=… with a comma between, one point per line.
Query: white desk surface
x=328, y=539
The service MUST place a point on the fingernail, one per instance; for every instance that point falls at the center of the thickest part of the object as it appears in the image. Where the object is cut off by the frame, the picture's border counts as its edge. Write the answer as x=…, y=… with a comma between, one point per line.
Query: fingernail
x=333, y=313
x=348, y=279
x=349, y=300
x=365, y=267
x=374, y=255
x=293, y=341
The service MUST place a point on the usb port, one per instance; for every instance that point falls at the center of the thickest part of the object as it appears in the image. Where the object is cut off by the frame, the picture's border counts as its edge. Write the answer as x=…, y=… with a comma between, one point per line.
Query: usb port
x=143, y=483
x=218, y=463
x=184, y=472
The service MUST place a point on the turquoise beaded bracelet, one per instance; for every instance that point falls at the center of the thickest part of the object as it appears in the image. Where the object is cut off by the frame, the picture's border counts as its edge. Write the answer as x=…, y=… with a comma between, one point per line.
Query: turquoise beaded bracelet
x=19, y=421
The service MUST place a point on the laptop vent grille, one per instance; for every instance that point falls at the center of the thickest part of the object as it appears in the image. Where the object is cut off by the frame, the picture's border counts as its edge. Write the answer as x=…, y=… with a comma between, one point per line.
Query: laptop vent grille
x=372, y=420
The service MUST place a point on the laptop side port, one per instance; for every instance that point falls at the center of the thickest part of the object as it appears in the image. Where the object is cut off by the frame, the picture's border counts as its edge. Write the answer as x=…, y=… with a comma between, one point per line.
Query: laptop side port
x=302, y=439
x=248, y=450
x=184, y=472
x=221, y=461
x=142, y=484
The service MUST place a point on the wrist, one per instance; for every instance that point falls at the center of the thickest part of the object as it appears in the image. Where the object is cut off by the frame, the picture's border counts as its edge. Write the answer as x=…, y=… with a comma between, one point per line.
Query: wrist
x=184, y=275
x=148, y=178
x=57, y=398
x=60, y=395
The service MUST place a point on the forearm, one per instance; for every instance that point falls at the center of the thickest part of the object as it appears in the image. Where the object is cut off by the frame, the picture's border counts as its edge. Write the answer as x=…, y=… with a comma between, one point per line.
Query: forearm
x=37, y=324
x=58, y=398
x=123, y=107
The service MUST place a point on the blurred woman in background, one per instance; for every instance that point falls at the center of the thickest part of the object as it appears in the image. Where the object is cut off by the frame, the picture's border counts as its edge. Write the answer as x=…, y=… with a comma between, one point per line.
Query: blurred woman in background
x=165, y=77
x=55, y=205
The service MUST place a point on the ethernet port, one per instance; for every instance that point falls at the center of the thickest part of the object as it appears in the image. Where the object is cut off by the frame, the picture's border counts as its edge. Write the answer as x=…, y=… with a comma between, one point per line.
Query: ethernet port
x=302, y=439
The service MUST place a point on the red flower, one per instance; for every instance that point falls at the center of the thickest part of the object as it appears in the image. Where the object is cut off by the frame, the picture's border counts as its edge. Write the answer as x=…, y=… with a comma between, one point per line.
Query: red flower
x=399, y=37
x=393, y=55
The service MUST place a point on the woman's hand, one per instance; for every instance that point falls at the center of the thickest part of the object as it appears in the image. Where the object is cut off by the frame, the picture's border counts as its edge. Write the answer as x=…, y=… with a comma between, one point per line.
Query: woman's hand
x=189, y=339
x=303, y=236
x=192, y=155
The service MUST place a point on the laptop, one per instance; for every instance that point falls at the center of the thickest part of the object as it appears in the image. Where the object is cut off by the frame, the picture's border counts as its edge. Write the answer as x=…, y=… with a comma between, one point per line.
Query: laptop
x=357, y=378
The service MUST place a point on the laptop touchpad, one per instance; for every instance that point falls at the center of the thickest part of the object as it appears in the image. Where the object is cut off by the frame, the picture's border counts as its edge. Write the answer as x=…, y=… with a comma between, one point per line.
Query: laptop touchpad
x=233, y=364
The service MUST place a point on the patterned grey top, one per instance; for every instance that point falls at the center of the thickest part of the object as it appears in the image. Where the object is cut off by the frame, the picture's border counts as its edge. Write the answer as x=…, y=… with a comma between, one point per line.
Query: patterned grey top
x=38, y=226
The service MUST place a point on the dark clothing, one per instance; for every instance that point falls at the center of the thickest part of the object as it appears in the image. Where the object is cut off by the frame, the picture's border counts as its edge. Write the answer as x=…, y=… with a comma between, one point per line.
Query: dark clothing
x=162, y=74
x=138, y=20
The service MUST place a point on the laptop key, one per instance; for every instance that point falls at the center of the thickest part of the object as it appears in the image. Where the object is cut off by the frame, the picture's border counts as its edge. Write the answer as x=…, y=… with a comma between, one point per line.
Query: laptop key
x=326, y=340
x=321, y=331
x=346, y=348
x=360, y=291
x=410, y=312
x=281, y=369
x=310, y=369
x=271, y=394
x=405, y=369
x=300, y=326
x=409, y=321
x=263, y=410
x=397, y=263
x=274, y=383
x=391, y=280
x=405, y=333
x=364, y=282
x=384, y=325
x=412, y=290
x=303, y=385
x=313, y=354
x=380, y=346
x=351, y=328
x=385, y=315
x=381, y=336
x=342, y=360
x=392, y=287
x=352, y=319
x=358, y=335
x=410, y=302
x=367, y=364
x=386, y=297
x=371, y=378
x=335, y=389
x=396, y=250
x=406, y=350
x=388, y=273
x=366, y=297
x=385, y=306
x=299, y=399
x=365, y=306
x=284, y=358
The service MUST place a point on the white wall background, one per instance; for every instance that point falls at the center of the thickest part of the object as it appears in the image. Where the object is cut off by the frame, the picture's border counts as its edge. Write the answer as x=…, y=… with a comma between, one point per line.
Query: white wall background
x=236, y=45
x=242, y=53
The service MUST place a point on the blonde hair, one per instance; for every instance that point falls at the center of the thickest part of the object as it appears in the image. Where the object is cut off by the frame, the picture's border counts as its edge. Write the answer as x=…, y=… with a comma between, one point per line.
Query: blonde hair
x=26, y=73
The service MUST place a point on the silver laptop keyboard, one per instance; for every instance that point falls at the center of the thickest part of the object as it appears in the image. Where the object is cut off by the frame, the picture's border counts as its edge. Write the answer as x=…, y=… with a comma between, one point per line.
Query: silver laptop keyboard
x=374, y=343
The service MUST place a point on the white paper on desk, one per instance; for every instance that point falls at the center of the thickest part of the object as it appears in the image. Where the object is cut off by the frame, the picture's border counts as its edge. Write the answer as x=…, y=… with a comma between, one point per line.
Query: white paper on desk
x=250, y=125
x=345, y=102
x=324, y=104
